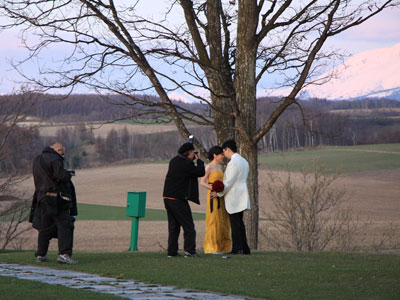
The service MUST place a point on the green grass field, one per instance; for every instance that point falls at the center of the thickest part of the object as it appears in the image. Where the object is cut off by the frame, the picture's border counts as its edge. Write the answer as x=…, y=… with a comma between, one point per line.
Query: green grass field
x=108, y=213
x=375, y=147
x=346, y=159
x=270, y=275
x=18, y=289
x=342, y=159
x=118, y=213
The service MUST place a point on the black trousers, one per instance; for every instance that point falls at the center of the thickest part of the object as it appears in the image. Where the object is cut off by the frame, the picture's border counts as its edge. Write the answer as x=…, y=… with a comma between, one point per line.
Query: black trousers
x=180, y=214
x=60, y=226
x=239, y=239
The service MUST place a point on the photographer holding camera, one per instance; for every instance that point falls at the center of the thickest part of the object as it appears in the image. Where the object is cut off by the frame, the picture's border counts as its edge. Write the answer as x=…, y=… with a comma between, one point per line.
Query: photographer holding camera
x=54, y=204
x=181, y=185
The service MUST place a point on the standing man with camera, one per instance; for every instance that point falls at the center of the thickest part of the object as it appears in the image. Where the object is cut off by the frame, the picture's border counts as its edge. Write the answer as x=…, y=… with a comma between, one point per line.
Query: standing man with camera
x=55, y=204
x=181, y=185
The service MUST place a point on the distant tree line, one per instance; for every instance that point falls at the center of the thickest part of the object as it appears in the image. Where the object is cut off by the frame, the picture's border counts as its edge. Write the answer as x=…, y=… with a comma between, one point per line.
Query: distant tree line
x=319, y=122
x=90, y=107
x=84, y=150
x=22, y=146
x=315, y=124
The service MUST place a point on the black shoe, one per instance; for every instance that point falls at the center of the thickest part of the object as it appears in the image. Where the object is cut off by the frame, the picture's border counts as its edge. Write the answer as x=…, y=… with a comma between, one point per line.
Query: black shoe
x=188, y=254
x=175, y=255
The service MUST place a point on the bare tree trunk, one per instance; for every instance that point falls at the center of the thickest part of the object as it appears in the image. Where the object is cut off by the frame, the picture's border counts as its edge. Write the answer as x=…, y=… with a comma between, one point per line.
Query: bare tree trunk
x=245, y=84
x=249, y=152
x=224, y=122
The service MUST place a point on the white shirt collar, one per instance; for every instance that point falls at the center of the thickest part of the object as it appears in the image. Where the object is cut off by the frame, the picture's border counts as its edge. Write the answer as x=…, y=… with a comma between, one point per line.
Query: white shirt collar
x=235, y=154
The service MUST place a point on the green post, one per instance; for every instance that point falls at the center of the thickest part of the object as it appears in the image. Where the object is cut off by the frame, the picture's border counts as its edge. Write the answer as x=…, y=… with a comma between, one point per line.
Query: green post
x=136, y=206
x=134, y=234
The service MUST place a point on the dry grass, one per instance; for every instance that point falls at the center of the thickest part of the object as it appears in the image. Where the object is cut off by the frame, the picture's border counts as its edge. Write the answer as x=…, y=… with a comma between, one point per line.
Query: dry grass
x=101, y=130
x=100, y=236
x=374, y=194
x=366, y=110
x=375, y=197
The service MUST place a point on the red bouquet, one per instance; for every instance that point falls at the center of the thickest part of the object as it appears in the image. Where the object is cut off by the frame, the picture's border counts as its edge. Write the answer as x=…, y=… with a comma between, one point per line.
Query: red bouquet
x=218, y=186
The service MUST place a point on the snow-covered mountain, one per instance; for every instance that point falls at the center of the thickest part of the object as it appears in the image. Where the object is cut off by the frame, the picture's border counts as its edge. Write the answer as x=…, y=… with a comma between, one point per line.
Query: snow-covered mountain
x=370, y=74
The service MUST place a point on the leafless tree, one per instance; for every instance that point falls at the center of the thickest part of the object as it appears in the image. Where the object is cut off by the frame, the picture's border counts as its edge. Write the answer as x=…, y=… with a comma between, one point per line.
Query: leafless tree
x=224, y=48
x=309, y=214
x=14, y=204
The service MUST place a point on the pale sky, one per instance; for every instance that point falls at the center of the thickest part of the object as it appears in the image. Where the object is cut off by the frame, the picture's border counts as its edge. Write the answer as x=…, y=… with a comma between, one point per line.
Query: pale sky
x=382, y=31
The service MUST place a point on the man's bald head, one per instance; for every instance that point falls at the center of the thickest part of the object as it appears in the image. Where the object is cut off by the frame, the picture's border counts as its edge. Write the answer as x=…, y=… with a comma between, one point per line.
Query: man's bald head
x=58, y=147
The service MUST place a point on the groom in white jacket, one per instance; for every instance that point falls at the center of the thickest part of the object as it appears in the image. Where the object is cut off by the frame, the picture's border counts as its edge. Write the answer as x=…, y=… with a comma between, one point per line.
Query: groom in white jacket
x=237, y=198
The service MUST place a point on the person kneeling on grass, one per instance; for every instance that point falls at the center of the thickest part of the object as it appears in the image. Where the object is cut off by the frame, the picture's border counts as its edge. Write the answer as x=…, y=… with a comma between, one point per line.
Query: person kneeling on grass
x=54, y=204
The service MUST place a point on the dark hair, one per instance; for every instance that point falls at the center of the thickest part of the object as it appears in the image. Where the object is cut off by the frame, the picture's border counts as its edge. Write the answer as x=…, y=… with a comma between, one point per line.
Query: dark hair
x=214, y=150
x=231, y=144
x=185, y=149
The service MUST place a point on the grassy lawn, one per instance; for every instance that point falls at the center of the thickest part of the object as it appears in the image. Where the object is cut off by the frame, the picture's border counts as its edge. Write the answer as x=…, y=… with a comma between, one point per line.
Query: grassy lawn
x=105, y=212
x=17, y=289
x=340, y=158
x=270, y=275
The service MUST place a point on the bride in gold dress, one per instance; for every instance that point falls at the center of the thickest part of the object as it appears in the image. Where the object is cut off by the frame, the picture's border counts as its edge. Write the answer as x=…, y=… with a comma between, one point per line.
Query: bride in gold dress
x=218, y=229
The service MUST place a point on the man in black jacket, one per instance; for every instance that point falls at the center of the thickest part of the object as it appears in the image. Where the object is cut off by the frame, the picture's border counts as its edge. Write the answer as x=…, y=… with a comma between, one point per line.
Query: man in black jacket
x=55, y=202
x=181, y=185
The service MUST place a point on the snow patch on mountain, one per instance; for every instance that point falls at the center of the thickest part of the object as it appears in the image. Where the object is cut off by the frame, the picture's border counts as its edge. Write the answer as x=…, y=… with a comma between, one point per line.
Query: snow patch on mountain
x=370, y=74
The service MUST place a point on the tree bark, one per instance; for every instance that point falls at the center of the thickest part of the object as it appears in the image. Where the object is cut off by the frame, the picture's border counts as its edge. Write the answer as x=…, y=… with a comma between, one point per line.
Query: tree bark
x=245, y=86
x=249, y=152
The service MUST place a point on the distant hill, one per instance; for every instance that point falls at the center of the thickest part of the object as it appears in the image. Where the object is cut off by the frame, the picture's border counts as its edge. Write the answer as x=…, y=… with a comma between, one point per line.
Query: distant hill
x=371, y=74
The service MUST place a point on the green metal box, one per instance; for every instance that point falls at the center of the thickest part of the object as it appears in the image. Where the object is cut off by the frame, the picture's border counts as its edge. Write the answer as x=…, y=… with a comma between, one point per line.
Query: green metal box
x=136, y=204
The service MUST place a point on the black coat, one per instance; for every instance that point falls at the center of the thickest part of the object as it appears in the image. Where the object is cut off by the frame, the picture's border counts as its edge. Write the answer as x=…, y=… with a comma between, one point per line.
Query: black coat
x=34, y=216
x=49, y=173
x=181, y=180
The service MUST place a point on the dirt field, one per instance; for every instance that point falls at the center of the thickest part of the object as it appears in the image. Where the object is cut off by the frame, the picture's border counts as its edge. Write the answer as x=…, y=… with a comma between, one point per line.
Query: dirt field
x=375, y=197
x=97, y=236
x=48, y=129
x=366, y=111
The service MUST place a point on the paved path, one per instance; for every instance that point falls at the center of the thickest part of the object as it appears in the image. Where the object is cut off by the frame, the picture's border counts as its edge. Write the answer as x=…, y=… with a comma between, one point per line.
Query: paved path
x=130, y=289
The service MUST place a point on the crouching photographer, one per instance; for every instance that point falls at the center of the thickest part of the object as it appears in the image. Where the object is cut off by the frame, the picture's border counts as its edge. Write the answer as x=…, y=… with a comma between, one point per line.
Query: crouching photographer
x=54, y=206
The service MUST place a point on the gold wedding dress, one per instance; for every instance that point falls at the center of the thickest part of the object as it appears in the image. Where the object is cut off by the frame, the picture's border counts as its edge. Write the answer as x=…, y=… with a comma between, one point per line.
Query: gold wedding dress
x=218, y=228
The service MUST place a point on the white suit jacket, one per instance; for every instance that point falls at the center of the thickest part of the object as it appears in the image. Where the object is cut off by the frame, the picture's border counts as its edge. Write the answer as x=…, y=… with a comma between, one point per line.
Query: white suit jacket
x=236, y=194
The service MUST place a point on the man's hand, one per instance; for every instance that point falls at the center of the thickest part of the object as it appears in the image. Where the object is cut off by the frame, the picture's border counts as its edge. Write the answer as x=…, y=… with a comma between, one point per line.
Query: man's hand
x=213, y=194
x=196, y=154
